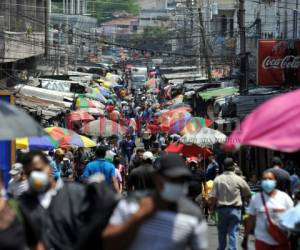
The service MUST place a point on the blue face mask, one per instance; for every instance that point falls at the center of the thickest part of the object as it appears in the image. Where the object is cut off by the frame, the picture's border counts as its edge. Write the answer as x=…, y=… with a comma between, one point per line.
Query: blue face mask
x=268, y=185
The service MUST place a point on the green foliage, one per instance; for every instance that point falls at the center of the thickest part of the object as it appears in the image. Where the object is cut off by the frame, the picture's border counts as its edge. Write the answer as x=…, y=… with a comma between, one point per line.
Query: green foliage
x=152, y=38
x=105, y=8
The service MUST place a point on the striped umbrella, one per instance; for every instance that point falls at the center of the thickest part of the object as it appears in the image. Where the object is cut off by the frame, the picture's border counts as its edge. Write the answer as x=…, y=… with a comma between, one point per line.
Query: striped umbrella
x=195, y=124
x=80, y=115
x=66, y=137
x=103, y=127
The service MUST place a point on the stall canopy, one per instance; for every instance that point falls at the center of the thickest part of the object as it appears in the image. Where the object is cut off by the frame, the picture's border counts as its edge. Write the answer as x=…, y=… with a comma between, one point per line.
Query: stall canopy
x=218, y=92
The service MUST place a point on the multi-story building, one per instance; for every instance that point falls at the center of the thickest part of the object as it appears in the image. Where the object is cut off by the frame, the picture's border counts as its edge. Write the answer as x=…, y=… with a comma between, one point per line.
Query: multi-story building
x=73, y=30
x=156, y=13
x=22, y=36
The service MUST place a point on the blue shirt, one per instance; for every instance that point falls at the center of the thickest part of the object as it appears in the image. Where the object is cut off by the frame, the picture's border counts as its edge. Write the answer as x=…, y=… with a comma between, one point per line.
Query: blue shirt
x=55, y=169
x=100, y=166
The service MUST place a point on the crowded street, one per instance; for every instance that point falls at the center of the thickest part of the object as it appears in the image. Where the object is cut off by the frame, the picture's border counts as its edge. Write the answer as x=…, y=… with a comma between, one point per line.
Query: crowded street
x=149, y=125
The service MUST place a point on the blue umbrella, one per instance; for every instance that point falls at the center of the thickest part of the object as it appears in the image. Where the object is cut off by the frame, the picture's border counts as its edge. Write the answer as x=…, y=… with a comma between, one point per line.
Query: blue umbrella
x=104, y=93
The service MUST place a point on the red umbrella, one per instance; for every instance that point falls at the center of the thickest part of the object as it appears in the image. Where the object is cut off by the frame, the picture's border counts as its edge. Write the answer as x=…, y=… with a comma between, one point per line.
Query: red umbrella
x=80, y=116
x=187, y=150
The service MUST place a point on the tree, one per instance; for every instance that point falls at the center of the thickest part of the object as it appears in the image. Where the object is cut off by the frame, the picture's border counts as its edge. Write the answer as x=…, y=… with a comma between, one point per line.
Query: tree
x=152, y=38
x=105, y=9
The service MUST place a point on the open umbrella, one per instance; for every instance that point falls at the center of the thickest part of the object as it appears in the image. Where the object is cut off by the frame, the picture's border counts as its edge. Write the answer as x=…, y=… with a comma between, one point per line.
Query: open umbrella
x=66, y=137
x=80, y=115
x=172, y=114
x=180, y=105
x=205, y=137
x=275, y=124
x=195, y=124
x=178, y=99
x=103, y=127
x=93, y=111
x=45, y=143
x=188, y=150
x=16, y=123
x=84, y=102
x=96, y=96
x=176, y=123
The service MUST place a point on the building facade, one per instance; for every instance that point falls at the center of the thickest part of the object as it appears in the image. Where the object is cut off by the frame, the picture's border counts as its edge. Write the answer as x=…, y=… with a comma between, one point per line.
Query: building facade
x=22, y=36
x=72, y=33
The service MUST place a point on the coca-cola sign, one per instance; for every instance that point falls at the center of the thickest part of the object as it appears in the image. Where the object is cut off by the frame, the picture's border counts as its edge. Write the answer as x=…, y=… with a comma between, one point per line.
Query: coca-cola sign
x=278, y=62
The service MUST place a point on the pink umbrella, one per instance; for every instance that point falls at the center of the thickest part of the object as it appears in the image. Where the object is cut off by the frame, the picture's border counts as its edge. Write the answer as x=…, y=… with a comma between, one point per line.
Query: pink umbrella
x=274, y=124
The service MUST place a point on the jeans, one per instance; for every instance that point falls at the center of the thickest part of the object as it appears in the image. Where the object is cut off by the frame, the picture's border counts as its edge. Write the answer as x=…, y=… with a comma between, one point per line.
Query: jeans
x=229, y=222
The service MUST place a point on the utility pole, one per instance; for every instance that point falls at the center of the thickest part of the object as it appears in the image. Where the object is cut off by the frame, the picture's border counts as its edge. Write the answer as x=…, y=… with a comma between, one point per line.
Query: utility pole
x=67, y=38
x=243, y=54
x=277, y=19
x=295, y=24
x=285, y=19
x=204, y=46
x=47, y=27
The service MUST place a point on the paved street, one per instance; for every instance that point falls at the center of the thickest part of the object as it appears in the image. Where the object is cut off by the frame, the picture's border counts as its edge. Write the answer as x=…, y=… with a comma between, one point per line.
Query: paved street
x=213, y=237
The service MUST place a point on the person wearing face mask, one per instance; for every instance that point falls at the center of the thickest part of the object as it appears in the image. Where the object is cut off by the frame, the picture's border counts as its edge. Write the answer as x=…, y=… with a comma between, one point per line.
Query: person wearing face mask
x=272, y=202
x=52, y=207
x=18, y=183
x=165, y=220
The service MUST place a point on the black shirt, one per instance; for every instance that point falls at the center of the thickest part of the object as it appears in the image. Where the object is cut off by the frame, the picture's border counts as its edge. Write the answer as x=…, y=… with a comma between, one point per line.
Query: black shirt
x=141, y=178
x=195, y=184
x=13, y=235
x=57, y=226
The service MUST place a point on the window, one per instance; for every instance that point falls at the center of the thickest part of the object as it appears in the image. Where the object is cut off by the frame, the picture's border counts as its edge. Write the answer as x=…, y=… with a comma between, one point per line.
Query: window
x=231, y=24
x=223, y=24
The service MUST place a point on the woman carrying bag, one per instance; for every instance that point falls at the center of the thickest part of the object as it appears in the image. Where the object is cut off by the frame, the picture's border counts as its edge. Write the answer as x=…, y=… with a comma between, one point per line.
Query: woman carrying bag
x=264, y=210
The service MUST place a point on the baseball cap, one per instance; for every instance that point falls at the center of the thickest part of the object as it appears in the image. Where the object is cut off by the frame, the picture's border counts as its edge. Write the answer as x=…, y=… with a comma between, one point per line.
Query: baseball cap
x=173, y=166
x=16, y=169
x=148, y=156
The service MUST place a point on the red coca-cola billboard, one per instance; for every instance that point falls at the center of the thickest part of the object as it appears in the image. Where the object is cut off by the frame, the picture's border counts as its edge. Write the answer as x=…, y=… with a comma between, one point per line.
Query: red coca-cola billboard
x=278, y=62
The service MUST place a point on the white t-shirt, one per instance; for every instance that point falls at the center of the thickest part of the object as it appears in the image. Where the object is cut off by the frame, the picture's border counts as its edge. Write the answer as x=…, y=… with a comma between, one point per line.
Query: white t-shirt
x=276, y=206
x=166, y=230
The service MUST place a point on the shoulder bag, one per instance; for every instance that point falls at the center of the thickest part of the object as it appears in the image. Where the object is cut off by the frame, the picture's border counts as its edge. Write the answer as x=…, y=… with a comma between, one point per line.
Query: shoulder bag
x=276, y=233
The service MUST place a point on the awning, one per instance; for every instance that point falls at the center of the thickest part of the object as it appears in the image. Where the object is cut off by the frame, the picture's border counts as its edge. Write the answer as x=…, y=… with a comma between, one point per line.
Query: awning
x=218, y=92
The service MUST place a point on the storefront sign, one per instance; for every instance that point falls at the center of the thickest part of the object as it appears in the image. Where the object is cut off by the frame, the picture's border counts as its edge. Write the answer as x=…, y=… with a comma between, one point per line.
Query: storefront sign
x=278, y=62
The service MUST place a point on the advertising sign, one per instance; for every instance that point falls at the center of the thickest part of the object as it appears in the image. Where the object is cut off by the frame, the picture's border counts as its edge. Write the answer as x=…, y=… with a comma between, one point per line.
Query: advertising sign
x=7, y=151
x=278, y=62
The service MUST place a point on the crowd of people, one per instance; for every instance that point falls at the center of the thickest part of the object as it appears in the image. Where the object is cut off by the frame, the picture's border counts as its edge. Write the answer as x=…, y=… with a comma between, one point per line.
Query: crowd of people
x=151, y=200
x=129, y=193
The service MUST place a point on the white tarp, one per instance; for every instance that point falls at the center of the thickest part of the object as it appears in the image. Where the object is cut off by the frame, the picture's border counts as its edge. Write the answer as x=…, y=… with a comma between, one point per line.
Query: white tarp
x=44, y=93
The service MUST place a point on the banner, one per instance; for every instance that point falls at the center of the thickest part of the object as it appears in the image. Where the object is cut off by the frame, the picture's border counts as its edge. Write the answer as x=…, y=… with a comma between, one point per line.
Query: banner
x=278, y=62
x=7, y=149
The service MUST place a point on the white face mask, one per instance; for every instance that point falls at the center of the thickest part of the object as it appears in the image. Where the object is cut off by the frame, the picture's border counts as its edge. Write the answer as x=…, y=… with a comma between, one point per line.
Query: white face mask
x=3, y=193
x=38, y=181
x=173, y=191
